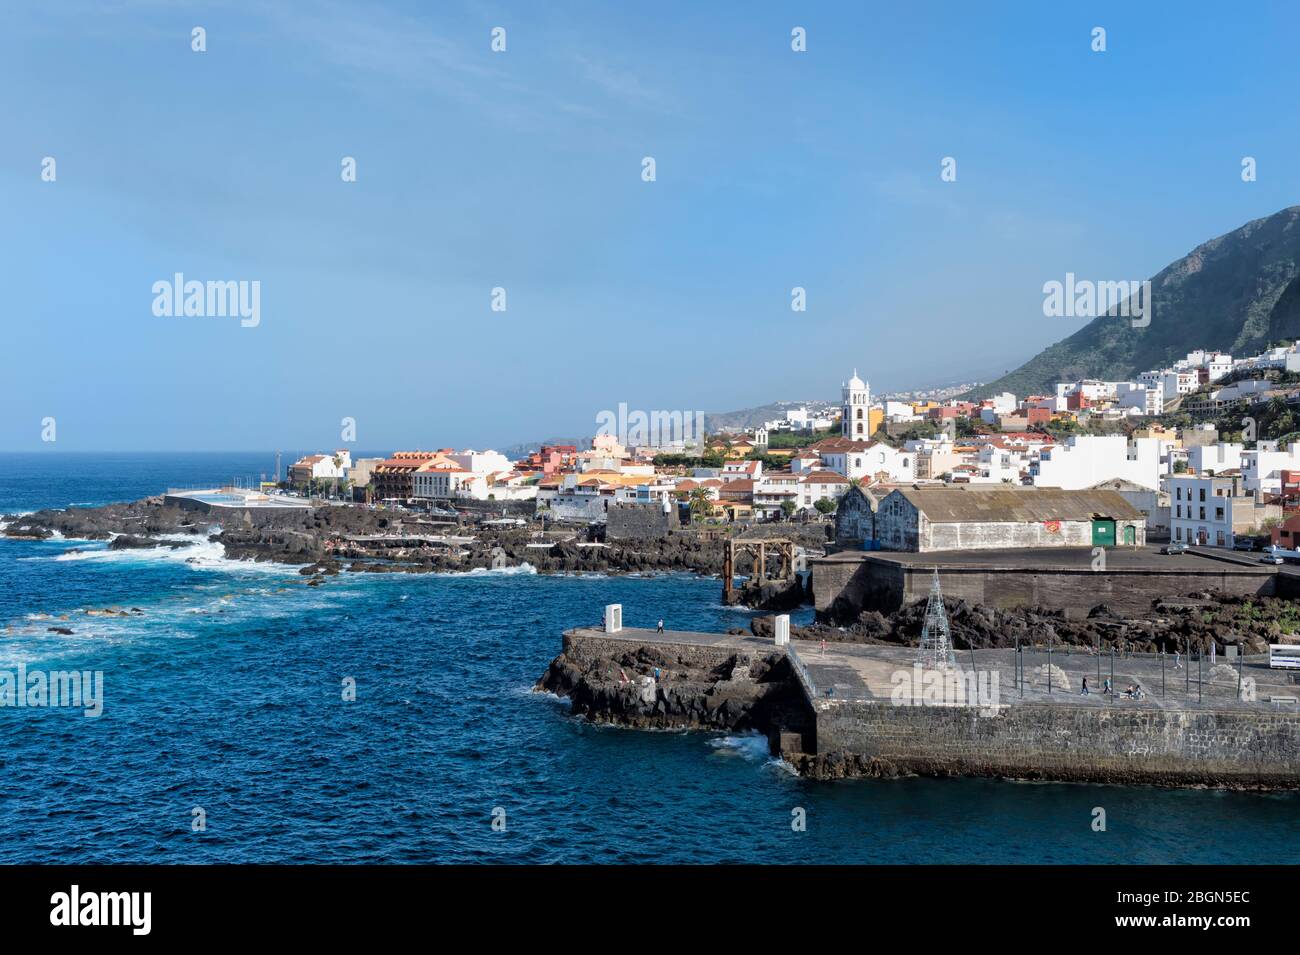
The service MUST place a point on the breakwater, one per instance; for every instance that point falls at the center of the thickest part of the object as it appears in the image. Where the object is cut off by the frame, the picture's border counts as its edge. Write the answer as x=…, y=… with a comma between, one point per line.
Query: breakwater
x=838, y=713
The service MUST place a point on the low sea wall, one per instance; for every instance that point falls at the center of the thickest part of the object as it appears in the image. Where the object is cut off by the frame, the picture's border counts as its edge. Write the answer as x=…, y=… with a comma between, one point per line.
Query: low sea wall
x=583, y=648
x=1230, y=748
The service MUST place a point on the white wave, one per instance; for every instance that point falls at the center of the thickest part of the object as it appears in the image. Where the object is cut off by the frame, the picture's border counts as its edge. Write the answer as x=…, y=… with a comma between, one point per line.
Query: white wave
x=201, y=554
x=782, y=766
x=524, y=568
x=752, y=747
x=6, y=524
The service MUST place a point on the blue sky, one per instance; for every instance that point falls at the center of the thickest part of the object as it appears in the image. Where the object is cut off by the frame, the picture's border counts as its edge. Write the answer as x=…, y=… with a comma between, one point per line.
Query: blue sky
x=522, y=170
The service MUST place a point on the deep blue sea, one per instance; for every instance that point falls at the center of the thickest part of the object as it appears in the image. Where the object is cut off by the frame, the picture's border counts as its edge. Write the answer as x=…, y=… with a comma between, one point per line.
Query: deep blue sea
x=225, y=695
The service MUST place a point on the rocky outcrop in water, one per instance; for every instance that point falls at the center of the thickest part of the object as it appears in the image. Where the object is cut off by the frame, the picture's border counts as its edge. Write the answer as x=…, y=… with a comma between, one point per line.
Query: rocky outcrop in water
x=744, y=692
x=774, y=595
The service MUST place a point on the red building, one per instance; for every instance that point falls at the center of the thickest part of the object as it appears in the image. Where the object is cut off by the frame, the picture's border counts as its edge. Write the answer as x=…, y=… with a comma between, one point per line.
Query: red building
x=1287, y=534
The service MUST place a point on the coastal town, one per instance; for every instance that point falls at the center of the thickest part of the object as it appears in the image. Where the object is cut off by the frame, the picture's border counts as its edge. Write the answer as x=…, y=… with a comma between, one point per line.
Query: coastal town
x=1204, y=450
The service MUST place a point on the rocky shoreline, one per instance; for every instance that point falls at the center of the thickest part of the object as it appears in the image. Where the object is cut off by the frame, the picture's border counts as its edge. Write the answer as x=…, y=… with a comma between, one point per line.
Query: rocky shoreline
x=323, y=541
x=1175, y=623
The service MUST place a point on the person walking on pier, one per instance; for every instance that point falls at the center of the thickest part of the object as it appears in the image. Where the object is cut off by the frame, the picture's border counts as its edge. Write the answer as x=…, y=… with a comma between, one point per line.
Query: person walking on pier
x=1178, y=660
x=1084, y=691
x=660, y=627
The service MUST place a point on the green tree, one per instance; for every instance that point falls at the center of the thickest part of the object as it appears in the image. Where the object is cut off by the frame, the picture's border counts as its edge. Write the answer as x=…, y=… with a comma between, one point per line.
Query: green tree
x=701, y=503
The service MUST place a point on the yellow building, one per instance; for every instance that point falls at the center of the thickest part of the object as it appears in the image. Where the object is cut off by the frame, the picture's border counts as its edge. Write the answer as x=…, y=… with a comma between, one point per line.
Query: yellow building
x=1158, y=431
x=875, y=418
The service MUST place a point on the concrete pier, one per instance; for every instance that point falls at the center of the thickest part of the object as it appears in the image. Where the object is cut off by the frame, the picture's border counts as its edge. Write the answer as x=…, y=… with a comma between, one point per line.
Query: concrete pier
x=871, y=712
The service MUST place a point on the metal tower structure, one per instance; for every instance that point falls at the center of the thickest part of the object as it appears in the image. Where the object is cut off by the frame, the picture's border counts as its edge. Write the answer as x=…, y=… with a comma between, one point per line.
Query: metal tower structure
x=936, y=639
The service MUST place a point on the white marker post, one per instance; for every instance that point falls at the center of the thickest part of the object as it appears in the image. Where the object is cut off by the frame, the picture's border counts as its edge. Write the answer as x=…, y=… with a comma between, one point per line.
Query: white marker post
x=782, y=629
x=613, y=618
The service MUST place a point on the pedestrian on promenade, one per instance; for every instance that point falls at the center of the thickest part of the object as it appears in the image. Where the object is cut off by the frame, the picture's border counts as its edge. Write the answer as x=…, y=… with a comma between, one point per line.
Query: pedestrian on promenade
x=660, y=627
x=1178, y=660
x=823, y=646
x=1106, y=689
x=1084, y=691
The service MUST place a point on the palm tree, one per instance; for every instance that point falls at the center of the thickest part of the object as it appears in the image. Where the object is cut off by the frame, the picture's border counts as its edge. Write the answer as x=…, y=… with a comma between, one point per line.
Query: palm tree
x=701, y=503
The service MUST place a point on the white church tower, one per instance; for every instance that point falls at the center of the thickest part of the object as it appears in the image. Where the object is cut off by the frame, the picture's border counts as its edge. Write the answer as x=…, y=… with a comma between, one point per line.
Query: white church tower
x=855, y=422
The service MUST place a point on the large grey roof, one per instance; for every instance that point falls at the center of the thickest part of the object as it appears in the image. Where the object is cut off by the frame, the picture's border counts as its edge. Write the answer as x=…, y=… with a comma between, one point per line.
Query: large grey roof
x=973, y=503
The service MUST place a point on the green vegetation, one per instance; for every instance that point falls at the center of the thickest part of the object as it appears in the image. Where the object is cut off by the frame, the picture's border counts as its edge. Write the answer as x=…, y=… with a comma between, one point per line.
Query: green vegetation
x=964, y=428
x=798, y=439
x=688, y=461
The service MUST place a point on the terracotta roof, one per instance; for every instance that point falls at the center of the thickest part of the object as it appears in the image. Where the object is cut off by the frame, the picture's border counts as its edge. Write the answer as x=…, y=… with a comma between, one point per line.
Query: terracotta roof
x=824, y=477
x=741, y=486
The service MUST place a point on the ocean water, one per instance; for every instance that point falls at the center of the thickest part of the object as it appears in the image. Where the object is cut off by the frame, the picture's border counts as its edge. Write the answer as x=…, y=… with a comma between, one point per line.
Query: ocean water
x=225, y=694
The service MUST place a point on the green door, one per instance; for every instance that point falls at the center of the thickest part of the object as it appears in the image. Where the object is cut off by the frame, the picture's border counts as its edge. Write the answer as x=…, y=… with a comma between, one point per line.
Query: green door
x=1130, y=535
x=1103, y=533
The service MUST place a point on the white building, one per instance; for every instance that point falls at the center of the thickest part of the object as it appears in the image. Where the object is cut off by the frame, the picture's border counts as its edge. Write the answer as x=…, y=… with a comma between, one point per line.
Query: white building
x=869, y=459
x=1261, y=469
x=771, y=492
x=511, y=487
x=444, y=483
x=1216, y=364
x=1003, y=403
x=1147, y=397
x=1178, y=383
x=817, y=486
x=1087, y=460
x=1246, y=388
x=997, y=464
x=1212, y=511
x=320, y=467
x=481, y=462
x=900, y=411
x=1214, y=458
x=855, y=421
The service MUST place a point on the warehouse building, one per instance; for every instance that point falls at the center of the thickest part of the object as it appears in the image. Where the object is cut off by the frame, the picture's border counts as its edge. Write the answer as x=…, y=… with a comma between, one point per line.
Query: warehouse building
x=975, y=517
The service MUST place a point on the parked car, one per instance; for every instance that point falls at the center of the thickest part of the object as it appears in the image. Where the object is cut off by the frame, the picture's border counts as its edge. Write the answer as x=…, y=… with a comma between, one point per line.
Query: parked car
x=1177, y=547
x=1246, y=543
x=1271, y=559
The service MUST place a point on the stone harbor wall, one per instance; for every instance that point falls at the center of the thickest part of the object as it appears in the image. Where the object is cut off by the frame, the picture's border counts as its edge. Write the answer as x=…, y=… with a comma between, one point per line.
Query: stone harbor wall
x=844, y=588
x=1230, y=748
x=640, y=522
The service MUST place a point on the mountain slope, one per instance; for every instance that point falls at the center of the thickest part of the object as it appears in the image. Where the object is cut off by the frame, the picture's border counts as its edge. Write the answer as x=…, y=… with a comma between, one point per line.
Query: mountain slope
x=1235, y=293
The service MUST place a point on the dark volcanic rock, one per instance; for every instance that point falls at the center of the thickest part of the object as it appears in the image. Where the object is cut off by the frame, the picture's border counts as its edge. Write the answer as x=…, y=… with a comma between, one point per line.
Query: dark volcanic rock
x=770, y=595
x=1174, y=623
x=745, y=693
x=131, y=542
x=333, y=537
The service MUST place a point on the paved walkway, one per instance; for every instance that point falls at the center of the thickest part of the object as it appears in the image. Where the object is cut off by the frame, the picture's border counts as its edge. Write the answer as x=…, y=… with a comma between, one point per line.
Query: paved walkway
x=855, y=671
